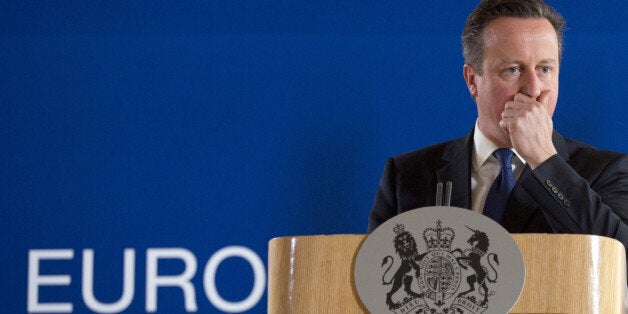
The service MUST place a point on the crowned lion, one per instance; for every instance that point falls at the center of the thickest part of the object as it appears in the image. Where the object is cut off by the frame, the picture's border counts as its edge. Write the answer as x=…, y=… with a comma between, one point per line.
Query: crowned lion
x=406, y=248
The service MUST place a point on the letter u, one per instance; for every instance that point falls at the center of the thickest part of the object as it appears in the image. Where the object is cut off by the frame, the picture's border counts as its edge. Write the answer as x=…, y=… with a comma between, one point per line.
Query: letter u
x=128, y=289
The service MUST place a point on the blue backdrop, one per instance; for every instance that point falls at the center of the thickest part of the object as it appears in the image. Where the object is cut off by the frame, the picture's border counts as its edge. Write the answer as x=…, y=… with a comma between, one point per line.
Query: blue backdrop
x=193, y=132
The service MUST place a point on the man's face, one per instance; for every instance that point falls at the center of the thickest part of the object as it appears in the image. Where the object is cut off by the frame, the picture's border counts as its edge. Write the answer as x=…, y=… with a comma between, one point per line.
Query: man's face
x=520, y=56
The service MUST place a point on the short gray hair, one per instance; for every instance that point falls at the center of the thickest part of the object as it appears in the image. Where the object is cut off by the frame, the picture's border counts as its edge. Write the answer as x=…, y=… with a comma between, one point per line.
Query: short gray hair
x=489, y=10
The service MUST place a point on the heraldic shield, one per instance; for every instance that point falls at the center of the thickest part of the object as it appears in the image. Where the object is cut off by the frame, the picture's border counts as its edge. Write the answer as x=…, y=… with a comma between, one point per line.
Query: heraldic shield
x=463, y=262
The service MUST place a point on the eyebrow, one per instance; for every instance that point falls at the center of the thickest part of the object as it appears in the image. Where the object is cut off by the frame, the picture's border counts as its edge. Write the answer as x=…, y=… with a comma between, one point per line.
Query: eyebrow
x=544, y=61
x=549, y=61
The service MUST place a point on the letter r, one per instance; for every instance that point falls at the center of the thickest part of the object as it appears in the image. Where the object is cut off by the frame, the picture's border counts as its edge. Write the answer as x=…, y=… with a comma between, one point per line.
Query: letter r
x=153, y=280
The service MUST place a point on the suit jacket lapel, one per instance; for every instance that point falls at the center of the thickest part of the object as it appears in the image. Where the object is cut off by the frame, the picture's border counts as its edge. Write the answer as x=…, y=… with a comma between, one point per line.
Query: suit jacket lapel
x=456, y=168
x=520, y=206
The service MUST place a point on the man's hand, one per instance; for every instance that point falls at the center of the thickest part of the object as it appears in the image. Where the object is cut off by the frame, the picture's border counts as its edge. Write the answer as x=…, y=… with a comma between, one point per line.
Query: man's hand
x=529, y=125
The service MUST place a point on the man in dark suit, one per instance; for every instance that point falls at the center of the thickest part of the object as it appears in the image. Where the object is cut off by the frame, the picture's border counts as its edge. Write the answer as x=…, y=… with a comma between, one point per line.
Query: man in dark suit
x=512, y=51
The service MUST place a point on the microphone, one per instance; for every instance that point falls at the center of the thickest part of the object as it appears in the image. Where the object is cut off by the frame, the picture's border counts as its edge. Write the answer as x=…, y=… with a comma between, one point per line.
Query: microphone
x=439, y=193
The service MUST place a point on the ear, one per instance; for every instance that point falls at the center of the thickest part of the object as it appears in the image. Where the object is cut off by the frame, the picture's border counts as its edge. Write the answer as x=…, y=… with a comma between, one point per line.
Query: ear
x=470, y=76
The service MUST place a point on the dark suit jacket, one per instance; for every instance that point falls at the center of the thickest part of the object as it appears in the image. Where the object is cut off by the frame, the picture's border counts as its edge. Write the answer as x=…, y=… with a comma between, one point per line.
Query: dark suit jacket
x=581, y=190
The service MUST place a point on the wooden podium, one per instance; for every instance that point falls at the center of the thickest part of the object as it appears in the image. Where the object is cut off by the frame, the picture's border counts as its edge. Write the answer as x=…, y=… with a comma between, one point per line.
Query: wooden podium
x=564, y=274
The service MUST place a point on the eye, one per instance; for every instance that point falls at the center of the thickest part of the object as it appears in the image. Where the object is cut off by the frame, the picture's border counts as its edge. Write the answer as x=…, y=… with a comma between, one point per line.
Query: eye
x=510, y=73
x=546, y=70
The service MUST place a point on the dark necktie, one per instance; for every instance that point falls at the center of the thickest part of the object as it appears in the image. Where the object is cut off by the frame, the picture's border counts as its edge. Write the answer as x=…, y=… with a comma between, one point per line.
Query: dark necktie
x=502, y=186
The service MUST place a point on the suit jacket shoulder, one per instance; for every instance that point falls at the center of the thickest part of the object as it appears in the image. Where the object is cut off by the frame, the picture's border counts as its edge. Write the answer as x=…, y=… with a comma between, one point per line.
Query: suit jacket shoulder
x=409, y=179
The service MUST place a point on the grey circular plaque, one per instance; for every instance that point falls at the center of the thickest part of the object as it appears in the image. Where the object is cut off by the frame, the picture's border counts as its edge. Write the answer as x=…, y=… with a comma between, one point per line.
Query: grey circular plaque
x=439, y=260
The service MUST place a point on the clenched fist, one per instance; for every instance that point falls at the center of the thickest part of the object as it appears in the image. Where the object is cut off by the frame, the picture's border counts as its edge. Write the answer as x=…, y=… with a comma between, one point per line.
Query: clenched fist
x=529, y=125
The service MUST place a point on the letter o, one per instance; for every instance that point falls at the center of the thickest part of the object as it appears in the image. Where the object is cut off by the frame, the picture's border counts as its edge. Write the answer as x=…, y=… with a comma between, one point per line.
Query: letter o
x=259, y=284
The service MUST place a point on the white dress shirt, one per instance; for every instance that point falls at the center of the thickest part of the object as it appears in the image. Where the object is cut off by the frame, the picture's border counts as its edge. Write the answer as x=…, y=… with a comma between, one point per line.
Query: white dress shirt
x=485, y=168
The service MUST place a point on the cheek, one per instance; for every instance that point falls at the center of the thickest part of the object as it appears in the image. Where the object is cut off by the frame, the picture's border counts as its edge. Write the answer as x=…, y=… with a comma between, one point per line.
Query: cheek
x=498, y=97
x=506, y=92
x=492, y=96
x=499, y=92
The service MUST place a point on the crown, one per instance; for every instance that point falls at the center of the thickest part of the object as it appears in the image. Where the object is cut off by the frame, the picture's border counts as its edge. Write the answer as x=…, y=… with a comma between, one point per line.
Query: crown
x=399, y=229
x=438, y=239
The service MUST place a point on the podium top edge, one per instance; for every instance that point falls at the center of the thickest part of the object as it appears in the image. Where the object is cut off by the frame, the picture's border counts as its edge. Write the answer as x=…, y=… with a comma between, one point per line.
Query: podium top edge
x=516, y=236
x=312, y=236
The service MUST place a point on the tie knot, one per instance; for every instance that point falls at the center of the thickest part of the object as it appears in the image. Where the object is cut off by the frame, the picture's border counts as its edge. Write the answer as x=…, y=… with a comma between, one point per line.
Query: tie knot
x=504, y=156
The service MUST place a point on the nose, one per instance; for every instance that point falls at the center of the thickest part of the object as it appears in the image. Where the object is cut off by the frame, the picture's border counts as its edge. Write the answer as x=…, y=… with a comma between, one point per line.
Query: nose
x=531, y=84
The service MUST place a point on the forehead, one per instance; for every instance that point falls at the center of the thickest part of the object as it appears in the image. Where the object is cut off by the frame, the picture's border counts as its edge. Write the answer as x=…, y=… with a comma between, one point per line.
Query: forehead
x=520, y=35
x=510, y=30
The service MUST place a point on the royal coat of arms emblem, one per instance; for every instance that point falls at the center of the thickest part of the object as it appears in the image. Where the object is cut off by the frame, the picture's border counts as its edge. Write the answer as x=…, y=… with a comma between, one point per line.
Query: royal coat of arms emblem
x=451, y=269
x=438, y=272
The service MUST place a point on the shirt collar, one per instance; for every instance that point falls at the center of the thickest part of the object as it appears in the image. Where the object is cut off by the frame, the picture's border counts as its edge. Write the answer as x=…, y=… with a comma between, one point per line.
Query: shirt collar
x=483, y=149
